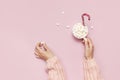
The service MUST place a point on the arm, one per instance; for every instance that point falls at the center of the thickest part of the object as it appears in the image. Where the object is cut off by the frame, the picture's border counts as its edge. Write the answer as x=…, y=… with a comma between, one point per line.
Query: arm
x=54, y=69
x=91, y=70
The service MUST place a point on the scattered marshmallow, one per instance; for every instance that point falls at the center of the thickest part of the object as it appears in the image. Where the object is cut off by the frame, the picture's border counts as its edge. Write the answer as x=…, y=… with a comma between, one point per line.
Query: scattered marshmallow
x=62, y=12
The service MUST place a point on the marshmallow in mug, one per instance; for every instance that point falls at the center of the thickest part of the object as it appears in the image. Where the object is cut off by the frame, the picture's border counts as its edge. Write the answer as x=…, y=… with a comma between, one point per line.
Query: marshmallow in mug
x=79, y=31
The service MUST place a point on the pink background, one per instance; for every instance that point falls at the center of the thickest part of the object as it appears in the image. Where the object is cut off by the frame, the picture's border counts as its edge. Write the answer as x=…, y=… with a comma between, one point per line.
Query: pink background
x=23, y=23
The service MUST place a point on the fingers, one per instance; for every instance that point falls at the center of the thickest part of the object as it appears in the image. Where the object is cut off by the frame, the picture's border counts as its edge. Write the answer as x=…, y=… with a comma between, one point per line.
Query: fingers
x=41, y=45
x=45, y=46
x=42, y=51
x=90, y=43
x=86, y=42
x=38, y=48
x=37, y=54
x=41, y=48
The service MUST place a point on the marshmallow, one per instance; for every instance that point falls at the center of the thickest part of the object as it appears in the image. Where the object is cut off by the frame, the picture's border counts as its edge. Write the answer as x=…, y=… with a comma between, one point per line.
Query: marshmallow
x=79, y=31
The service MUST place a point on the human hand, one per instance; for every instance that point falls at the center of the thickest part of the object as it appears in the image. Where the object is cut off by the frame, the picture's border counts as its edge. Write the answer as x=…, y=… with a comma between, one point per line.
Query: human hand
x=42, y=51
x=89, y=48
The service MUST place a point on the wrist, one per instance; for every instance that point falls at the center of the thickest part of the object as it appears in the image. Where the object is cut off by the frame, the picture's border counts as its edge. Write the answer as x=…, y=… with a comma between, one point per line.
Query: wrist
x=88, y=57
x=49, y=57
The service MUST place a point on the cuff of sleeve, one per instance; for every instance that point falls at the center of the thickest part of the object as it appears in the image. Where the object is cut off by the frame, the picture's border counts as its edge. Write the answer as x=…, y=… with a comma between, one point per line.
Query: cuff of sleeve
x=90, y=62
x=51, y=62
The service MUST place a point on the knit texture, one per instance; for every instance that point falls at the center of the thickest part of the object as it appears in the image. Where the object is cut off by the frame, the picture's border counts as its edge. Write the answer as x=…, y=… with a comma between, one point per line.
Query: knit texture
x=55, y=70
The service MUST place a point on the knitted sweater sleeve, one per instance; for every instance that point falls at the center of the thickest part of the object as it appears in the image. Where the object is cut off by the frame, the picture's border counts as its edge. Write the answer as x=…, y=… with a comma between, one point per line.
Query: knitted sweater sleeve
x=54, y=69
x=91, y=70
